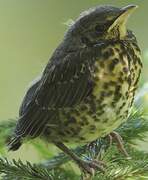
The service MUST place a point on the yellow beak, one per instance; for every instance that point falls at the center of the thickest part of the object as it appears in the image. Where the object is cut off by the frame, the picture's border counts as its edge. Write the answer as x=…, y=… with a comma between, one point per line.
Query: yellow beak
x=123, y=17
x=127, y=11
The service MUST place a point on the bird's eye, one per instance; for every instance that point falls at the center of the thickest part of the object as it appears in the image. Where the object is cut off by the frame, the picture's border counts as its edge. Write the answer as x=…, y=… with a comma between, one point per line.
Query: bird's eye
x=99, y=28
x=85, y=40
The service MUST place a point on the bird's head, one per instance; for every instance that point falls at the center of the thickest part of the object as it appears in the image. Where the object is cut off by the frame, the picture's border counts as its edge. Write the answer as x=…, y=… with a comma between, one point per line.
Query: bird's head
x=101, y=23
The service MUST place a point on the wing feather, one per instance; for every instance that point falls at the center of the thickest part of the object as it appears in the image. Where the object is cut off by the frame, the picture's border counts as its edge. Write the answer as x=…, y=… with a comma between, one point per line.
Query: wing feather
x=65, y=82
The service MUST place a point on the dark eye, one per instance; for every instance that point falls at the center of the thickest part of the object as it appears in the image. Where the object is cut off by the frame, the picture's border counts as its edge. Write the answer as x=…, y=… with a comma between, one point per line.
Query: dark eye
x=86, y=41
x=99, y=28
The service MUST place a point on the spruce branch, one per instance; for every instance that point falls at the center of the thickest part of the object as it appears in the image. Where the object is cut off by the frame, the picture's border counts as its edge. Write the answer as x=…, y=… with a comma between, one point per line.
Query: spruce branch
x=17, y=170
x=24, y=171
x=122, y=168
x=118, y=168
x=135, y=128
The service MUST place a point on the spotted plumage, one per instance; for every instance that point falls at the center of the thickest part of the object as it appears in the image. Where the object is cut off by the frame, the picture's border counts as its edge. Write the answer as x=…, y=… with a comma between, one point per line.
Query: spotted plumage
x=109, y=102
x=87, y=88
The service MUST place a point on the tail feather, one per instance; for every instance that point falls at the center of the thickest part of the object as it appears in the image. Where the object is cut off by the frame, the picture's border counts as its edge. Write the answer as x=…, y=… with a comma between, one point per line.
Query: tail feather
x=14, y=144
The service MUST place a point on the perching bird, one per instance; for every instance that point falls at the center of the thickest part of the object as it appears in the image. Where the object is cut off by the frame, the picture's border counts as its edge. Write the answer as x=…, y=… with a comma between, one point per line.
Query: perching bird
x=88, y=86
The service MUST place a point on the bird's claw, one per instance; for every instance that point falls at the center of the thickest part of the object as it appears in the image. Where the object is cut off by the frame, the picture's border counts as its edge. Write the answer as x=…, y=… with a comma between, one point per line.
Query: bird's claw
x=118, y=139
x=91, y=166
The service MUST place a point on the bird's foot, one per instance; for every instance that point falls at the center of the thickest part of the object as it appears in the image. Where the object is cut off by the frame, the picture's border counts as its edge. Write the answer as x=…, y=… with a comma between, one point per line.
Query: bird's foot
x=88, y=167
x=120, y=144
x=91, y=166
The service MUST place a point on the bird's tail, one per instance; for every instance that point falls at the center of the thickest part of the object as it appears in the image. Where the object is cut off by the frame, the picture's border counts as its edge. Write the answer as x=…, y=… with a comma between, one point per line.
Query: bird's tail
x=14, y=144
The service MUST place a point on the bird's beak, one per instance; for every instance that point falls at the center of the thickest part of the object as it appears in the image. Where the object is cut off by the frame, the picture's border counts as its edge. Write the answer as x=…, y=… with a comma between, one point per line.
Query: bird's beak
x=121, y=20
x=129, y=9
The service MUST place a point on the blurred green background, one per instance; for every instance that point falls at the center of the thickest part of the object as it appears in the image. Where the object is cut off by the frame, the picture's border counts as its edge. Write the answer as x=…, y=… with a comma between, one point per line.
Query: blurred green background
x=30, y=30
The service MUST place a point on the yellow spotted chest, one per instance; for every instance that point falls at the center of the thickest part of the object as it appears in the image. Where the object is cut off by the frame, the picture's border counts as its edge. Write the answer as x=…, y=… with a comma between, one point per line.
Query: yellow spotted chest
x=115, y=75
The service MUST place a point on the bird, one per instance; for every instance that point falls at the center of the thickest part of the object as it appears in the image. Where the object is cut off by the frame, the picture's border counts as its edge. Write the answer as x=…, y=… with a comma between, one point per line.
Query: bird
x=88, y=86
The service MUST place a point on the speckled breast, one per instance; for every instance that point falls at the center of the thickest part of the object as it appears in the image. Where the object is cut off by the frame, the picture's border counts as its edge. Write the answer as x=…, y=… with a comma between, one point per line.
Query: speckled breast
x=115, y=75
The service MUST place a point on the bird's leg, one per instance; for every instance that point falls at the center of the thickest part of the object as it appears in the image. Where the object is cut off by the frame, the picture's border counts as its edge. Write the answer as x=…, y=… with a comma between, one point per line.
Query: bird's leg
x=86, y=166
x=109, y=136
x=95, y=153
x=115, y=136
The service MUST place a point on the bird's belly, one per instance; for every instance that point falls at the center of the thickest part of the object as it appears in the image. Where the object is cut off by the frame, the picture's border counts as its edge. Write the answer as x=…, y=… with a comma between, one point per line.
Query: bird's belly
x=115, y=81
x=102, y=117
x=102, y=112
